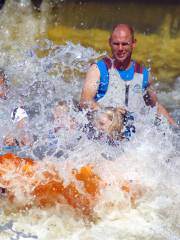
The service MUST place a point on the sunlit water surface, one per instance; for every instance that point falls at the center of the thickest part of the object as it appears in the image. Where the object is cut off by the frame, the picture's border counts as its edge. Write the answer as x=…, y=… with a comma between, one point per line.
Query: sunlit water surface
x=151, y=157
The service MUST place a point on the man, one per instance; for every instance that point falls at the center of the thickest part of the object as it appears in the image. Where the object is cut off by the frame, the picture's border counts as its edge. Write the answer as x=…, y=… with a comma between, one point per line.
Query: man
x=119, y=81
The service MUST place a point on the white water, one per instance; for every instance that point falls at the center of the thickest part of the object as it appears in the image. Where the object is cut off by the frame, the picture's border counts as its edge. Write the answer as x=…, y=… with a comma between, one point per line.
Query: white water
x=151, y=158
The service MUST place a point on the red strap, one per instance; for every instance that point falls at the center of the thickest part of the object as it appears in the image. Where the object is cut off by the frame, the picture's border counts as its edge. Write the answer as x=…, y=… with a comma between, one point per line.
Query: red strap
x=138, y=68
x=108, y=62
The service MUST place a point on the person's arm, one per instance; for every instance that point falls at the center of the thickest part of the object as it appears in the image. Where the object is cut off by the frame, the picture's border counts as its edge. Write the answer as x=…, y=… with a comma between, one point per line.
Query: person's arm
x=90, y=88
x=154, y=101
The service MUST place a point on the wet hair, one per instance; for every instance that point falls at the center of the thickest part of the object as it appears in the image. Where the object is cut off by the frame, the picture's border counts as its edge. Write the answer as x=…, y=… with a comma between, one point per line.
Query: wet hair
x=130, y=28
x=117, y=122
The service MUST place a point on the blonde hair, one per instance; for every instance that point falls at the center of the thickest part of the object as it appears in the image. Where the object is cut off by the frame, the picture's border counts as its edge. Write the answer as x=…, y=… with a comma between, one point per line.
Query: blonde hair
x=117, y=122
x=117, y=119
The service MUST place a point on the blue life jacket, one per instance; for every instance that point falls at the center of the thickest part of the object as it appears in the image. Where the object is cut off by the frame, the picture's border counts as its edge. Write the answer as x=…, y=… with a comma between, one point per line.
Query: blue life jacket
x=106, y=63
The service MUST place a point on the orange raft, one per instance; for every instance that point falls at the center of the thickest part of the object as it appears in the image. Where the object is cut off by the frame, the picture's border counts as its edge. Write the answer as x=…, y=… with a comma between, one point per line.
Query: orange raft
x=40, y=184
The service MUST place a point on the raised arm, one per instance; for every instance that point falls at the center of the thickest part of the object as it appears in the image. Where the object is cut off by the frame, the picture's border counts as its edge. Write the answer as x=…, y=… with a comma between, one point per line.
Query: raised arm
x=160, y=108
x=90, y=88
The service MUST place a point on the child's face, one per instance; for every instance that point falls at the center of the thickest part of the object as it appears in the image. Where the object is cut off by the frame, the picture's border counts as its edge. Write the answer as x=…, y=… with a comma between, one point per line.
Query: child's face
x=103, y=122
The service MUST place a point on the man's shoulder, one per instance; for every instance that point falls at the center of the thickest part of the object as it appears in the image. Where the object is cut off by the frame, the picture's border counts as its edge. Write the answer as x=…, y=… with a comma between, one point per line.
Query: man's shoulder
x=103, y=65
x=106, y=60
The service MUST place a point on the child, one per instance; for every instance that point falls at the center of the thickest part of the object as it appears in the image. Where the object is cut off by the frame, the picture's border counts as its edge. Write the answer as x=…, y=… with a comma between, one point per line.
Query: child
x=111, y=122
x=107, y=124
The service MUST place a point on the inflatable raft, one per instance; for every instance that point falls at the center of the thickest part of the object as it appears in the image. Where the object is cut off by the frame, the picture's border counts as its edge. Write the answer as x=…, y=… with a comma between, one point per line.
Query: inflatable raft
x=27, y=182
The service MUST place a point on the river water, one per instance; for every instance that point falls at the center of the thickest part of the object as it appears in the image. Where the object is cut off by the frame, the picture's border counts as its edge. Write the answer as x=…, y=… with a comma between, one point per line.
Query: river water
x=45, y=56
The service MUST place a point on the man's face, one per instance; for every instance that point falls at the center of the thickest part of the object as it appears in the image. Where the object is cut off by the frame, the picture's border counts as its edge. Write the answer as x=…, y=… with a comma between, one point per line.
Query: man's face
x=122, y=45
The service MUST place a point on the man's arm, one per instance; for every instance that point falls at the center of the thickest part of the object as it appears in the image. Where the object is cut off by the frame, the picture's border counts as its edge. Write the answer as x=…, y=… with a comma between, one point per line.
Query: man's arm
x=90, y=88
x=154, y=101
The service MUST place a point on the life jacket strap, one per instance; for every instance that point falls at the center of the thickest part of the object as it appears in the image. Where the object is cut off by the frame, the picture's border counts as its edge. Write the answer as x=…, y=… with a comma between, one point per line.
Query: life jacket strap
x=127, y=95
x=138, y=68
x=108, y=62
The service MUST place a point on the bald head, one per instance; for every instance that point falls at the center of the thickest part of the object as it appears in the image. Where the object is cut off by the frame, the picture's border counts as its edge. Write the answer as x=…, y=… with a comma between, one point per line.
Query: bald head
x=120, y=27
x=122, y=44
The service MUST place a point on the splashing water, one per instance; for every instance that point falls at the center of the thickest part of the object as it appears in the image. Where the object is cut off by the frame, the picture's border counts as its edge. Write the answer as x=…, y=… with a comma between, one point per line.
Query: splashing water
x=40, y=74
